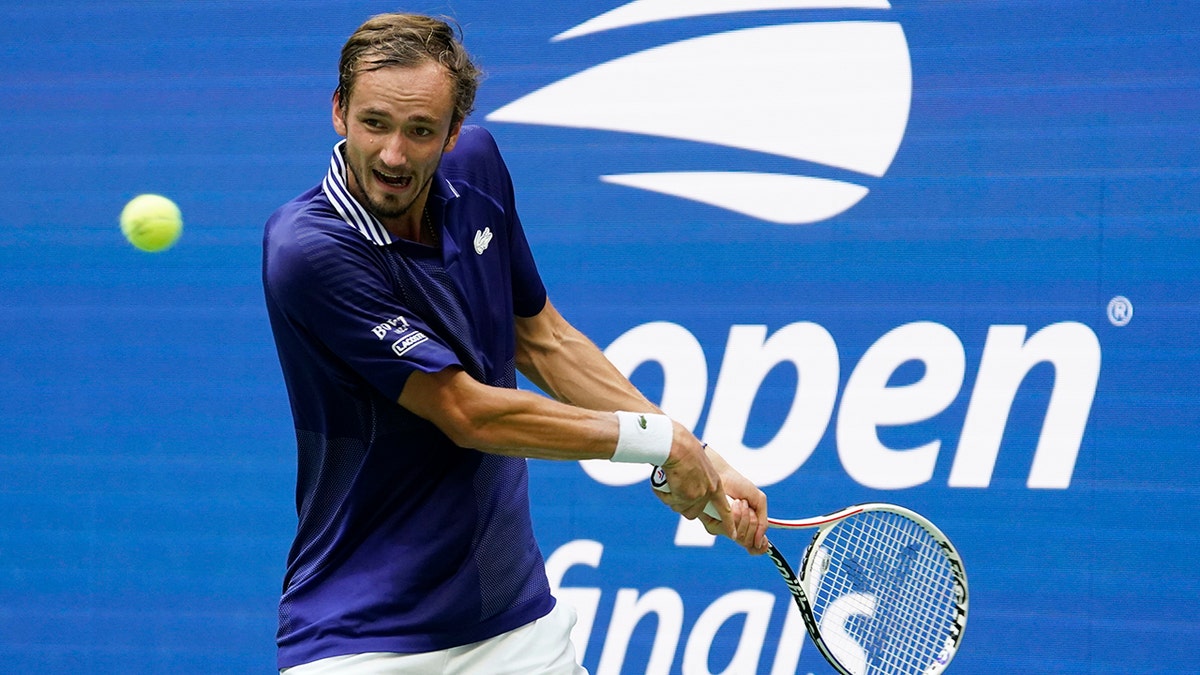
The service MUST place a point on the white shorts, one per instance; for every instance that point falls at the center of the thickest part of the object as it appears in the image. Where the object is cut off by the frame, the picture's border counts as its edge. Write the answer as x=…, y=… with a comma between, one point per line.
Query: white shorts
x=540, y=648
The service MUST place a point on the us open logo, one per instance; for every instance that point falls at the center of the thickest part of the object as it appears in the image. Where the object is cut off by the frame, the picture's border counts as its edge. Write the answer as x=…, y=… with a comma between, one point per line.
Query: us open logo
x=834, y=93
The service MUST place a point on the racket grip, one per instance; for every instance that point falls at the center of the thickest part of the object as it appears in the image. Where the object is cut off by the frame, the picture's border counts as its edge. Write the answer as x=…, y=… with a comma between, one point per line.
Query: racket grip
x=658, y=480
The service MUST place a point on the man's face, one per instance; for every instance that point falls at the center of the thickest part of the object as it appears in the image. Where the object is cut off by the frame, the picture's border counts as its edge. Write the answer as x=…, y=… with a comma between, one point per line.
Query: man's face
x=397, y=126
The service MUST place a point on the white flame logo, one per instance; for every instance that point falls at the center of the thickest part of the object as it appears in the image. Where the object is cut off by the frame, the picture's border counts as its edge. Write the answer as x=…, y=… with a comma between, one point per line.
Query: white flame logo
x=833, y=93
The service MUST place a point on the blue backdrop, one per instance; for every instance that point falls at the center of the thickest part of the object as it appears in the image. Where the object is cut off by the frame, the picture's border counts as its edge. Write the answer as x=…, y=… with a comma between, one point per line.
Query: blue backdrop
x=943, y=254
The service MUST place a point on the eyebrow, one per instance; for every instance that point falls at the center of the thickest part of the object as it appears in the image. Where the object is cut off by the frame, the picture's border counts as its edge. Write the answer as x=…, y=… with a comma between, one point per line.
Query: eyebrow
x=379, y=112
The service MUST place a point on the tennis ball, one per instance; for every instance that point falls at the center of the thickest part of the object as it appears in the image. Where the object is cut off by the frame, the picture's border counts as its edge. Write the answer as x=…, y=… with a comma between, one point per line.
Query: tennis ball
x=152, y=223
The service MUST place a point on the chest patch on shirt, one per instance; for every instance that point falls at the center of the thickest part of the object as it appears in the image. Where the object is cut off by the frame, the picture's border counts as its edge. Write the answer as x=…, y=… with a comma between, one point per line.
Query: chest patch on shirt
x=482, y=239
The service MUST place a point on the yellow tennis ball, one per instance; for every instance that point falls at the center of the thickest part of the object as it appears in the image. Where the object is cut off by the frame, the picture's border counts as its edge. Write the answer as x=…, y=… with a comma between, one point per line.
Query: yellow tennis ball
x=151, y=222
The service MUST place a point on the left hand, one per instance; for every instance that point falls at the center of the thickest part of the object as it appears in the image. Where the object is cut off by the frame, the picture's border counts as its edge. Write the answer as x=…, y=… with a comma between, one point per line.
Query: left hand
x=748, y=509
x=747, y=520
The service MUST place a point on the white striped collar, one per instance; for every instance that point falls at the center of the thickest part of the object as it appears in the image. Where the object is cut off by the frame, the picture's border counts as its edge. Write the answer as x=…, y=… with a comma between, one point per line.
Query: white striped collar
x=348, y=207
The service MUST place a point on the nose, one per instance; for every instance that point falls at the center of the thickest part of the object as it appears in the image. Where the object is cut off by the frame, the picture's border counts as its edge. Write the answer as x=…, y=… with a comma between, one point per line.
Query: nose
x=394, y=153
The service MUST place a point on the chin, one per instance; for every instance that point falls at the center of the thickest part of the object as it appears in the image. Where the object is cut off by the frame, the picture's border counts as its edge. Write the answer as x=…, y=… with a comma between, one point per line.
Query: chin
x=388, y=207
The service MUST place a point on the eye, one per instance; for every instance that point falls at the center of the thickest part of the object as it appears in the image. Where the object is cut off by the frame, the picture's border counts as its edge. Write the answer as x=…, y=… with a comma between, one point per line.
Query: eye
x=373, y=123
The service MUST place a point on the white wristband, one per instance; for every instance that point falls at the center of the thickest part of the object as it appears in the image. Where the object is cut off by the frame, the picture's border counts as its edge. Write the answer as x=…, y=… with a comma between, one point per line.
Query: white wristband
x=643, y=438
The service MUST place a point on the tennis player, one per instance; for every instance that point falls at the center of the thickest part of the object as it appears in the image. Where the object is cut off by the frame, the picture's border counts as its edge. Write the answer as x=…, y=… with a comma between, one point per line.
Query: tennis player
x=403, y=295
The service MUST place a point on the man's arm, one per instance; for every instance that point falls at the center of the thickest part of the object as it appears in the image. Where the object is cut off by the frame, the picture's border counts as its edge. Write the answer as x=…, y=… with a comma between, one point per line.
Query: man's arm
x=564, y=363
x=519, y=423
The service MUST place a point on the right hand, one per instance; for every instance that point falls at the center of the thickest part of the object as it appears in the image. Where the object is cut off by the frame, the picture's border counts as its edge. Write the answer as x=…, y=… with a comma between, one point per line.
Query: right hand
x=694, y=480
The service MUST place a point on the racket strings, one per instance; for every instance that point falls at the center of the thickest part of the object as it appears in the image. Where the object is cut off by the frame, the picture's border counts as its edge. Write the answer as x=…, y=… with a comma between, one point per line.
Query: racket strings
x=886, y=588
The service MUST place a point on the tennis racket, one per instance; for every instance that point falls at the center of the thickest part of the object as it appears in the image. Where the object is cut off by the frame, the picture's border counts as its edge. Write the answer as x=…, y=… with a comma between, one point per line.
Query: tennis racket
x=882, y=591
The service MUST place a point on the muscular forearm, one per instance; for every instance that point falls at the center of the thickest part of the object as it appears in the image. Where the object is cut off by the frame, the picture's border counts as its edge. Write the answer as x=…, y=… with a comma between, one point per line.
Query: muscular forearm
x=518, y=423
x=508, y=421
x=568, y=366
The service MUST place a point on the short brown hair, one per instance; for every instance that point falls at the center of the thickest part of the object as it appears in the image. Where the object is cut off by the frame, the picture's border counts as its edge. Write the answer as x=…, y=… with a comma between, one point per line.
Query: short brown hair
x=407, y=40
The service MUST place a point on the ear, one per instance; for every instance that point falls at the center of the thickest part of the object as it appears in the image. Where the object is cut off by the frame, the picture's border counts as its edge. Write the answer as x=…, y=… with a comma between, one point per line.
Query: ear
x=339, y=115
x=452, y=139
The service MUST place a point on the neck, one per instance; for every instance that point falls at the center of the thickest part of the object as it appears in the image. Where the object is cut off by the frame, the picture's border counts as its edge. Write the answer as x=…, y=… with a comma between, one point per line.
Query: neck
x=416, y=225
x=411, y=225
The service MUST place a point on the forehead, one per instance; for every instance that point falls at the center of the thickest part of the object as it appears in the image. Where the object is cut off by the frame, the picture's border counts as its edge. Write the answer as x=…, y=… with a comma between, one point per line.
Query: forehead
x=426, y=87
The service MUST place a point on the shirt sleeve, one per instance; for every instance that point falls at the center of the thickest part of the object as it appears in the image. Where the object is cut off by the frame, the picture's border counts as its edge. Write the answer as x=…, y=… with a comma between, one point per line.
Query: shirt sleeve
x=529, y=293
x=335, y=294
x=528, y=290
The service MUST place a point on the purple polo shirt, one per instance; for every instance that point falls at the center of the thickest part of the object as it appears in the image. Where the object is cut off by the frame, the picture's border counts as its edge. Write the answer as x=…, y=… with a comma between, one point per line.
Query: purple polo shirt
x=405, y=541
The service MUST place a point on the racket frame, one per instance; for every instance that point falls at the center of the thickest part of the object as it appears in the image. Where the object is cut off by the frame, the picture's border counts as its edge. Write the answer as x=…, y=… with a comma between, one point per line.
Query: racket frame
x=824, y=525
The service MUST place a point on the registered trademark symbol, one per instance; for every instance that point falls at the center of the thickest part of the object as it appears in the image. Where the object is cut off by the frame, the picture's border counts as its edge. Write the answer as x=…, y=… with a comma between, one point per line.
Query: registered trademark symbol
x=1120, y=310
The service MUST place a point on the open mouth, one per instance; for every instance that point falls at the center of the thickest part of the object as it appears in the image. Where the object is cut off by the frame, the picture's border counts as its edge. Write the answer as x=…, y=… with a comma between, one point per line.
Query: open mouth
x=394, y=181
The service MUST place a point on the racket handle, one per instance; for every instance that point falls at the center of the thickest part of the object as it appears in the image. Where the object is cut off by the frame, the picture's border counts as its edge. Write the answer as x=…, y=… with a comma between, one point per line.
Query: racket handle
x=658, y=479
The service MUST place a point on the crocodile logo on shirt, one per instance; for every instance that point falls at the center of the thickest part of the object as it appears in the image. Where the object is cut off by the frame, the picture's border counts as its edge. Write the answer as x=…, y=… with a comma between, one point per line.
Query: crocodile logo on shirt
x=482, y=239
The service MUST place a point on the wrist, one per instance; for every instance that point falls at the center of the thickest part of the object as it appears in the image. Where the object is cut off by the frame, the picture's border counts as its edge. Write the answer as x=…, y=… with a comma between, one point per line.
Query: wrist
x=643, y=438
